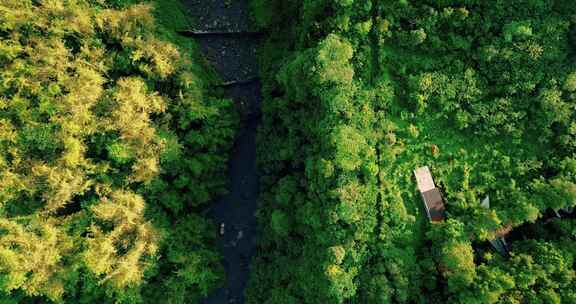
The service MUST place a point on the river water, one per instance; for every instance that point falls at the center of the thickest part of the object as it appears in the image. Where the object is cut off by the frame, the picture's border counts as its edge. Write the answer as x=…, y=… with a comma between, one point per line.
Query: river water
x=234, y=58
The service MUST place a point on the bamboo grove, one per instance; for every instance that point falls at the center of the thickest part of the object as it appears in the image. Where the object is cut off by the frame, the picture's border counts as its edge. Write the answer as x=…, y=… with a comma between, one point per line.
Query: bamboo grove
x=109, y=147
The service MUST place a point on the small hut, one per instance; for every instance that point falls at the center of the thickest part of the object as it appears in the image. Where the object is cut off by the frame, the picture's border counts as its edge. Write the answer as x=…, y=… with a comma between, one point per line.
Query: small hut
x=499, y=243
x=430, y=194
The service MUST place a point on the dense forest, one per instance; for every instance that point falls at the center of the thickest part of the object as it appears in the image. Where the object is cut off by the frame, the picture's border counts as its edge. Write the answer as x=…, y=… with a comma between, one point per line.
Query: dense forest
x=359, y=94
x=114, y=142
x=111, y=145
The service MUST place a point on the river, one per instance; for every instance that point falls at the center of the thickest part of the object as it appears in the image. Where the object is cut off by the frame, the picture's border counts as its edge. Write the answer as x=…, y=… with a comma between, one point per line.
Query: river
x=234, y=58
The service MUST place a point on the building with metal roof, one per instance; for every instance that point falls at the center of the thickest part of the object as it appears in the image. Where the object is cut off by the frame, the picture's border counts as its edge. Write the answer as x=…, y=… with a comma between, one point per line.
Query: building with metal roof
x=499, y=243
x=430, y=194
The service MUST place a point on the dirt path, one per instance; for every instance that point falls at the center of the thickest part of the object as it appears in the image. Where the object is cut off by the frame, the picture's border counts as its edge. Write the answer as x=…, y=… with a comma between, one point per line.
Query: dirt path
x=234, y=58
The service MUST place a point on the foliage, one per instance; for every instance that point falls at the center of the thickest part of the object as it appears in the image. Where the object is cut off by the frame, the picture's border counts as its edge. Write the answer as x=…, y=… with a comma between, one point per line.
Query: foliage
x=358, y=94
x=107, y=135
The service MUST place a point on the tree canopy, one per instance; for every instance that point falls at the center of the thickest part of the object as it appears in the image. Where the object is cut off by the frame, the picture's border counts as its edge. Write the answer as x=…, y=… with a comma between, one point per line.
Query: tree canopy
x=107, y=133
x=360, y=93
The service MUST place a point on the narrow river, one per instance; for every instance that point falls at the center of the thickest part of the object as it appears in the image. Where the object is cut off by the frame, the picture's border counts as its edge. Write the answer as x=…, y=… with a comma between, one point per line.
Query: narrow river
x=234, y=58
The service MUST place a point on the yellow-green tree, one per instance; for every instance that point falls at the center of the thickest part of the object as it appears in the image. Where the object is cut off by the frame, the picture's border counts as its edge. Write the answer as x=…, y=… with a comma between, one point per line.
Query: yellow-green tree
x=95, y=111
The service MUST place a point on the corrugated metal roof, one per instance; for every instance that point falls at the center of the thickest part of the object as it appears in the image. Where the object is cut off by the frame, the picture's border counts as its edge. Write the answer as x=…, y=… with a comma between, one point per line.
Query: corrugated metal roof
x=424, y=179
x=430, y=194
x=434, y=205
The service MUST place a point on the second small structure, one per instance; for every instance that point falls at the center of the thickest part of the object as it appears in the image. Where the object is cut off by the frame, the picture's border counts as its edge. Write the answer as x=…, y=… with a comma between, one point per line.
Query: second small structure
x=430, y=194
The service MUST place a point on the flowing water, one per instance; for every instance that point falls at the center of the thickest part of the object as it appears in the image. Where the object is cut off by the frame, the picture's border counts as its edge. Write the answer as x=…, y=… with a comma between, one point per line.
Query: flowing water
x=234, y=58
